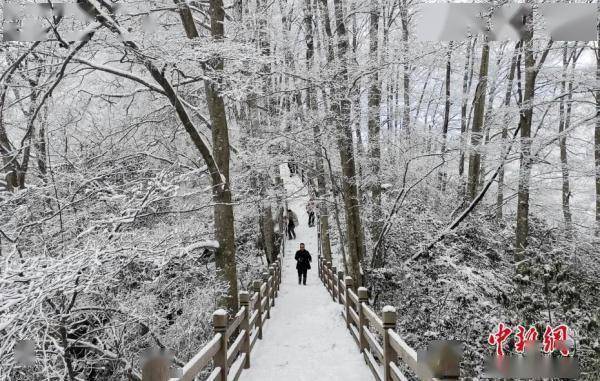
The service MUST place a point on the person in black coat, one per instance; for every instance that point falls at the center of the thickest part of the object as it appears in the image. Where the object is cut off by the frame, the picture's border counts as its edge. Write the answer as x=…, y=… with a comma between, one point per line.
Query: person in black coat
x=292, y=223
x=303, y=260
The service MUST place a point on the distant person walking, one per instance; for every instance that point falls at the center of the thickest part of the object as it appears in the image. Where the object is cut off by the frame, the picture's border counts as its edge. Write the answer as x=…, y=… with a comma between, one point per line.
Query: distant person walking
x=292, y=166
x=292, y=223
x=311, y=209
x=286, y=225
x=303, y=260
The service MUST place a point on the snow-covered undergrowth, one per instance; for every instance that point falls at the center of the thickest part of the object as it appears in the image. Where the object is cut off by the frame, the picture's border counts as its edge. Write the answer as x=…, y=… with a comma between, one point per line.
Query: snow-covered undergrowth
x=466, y=284
x=128, y=265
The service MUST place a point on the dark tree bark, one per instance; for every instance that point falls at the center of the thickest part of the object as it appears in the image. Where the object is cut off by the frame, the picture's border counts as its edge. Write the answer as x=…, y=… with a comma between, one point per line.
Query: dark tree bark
x=328, y=32
x=563, y=126
x=522, y=229
x=526, y=162
x=507, y=100
x=223, y=210
x=405, y=66
x=341, y=109
x=187, y=19
x=312, y=106
x=466, y=89
x=487, y=120
x=479, y=110
x=374, y=132
x=443, y=175
x=597, y=135
x=268, y=224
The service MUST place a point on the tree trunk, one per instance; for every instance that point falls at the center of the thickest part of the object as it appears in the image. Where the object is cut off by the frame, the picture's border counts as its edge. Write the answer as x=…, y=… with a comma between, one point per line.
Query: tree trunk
x=223, y=210
x=187, y=19
x=268, y=229
x=525, y=119
x=525, y=116
x=389, y=119
x=312, y=107
x=341, y=109
x=467, y=79
x=328, y=32
x=563, y=126
x=420, y=102
x=487, y=120
x=374, y=132
x=357, y=111
x=268, y=112
x=405, y=67
x=507, y=99
x=597, y=134
x=443, y=175
x=479, y=109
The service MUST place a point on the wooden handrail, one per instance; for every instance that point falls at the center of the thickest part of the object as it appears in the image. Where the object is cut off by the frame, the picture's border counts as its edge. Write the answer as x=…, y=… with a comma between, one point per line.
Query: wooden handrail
x=236, y=368
x=235, y=323
x=373, y=366
x=201, y=360
x=373, y=319
x=374, y=344
x=214, y=375
x=229, y=360
x=409, y=356
x=354, y=316
x=381, y=357
x=353, y=297
x=253, y=319
x=235, y=348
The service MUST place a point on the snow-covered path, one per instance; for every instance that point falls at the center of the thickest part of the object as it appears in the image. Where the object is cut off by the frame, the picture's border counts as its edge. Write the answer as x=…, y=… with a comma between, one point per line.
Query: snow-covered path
x=306, y=338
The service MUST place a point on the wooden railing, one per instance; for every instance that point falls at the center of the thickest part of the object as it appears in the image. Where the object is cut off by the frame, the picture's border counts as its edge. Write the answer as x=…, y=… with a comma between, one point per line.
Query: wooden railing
x=230, y=349
x=376, y=336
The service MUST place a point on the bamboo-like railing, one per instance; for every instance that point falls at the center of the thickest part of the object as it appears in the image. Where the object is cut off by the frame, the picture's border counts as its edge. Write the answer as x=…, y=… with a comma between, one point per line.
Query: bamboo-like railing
x=229, y=351
x=375, y=336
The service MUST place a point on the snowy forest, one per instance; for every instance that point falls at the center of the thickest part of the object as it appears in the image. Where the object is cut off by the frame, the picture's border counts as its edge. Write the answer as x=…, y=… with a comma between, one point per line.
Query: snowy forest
x=143, y=165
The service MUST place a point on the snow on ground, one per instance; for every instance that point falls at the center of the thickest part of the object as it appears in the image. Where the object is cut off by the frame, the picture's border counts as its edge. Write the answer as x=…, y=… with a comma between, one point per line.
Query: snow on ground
x=306, y=338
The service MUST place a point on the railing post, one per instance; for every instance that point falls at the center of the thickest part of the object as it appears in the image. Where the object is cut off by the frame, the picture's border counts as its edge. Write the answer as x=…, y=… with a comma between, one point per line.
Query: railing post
x=319, y=266
x=328, y=273
x=333, y=282
x=348, y=283
x=322, y=264
x=220, y=327
x=156, y=369
x=278, y=271
x=273, y=285
x=389, y=354
x=267, y=292
x=257, y=285
x=276, y=277
x=280, y=267
x=340, y=286
x=245, y=325
x=274, y=266
x=363, y=299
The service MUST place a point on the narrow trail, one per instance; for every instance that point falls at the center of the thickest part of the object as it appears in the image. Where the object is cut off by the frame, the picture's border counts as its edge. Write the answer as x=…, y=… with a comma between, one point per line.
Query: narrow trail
x=306, y=338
